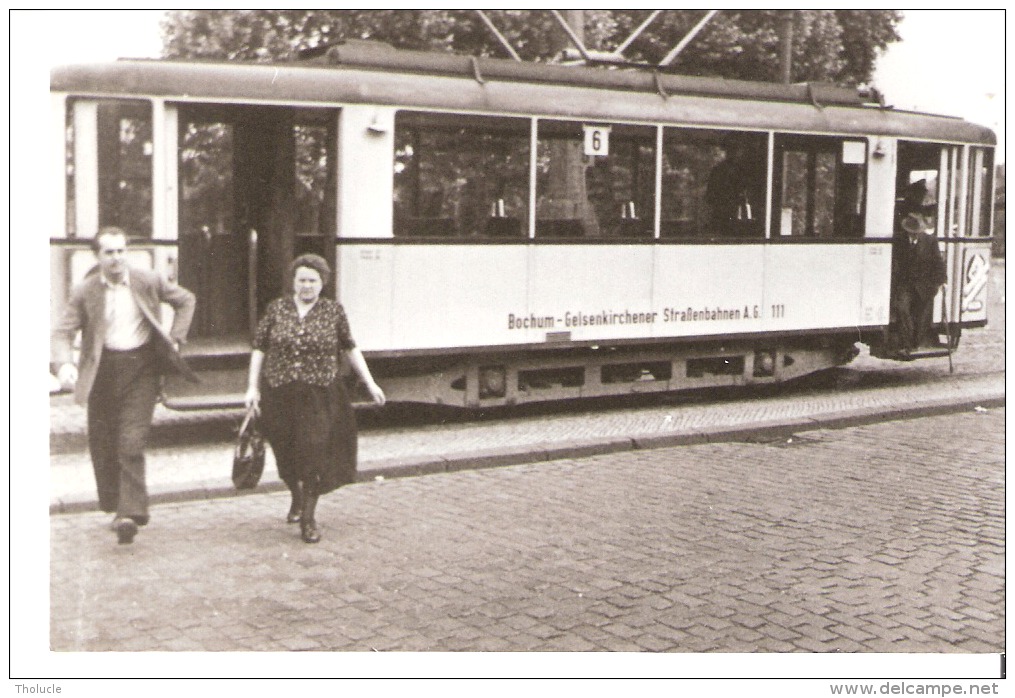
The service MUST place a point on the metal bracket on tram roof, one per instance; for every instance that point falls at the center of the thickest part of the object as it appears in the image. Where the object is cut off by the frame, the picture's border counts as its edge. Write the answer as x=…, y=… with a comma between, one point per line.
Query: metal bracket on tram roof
x=814, y=100
x=659, y=85
x=476, y=71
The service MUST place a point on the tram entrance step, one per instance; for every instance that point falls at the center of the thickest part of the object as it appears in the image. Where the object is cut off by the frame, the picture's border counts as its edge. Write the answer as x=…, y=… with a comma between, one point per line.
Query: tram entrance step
x=203, y=402
x=922, y=353
x=928, y=352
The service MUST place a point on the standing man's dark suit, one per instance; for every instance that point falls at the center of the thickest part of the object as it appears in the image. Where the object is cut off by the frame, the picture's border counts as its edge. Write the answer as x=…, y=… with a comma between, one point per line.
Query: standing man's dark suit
x=920, y=271
x=124, y=352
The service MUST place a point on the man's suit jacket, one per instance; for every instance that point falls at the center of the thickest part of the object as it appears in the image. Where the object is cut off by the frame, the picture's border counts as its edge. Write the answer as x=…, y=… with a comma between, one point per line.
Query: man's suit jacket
x=86, y=311
x=922, y=265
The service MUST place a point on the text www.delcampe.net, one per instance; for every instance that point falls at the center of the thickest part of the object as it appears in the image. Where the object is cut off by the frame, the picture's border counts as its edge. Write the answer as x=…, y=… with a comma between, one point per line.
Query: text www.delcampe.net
x=913, y=689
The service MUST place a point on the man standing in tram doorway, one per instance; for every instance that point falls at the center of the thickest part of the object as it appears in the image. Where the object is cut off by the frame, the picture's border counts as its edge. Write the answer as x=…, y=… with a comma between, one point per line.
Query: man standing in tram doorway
x=124, y=352
x=920, y=272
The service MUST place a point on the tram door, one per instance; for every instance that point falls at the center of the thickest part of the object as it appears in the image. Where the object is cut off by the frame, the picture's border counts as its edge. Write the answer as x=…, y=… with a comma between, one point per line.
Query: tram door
x=256, y=188
x=945, y=191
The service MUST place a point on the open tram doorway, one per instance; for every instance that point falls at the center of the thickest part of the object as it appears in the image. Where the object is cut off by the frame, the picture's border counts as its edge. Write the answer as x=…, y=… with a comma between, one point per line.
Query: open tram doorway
x=256, y=188
x=918, y=263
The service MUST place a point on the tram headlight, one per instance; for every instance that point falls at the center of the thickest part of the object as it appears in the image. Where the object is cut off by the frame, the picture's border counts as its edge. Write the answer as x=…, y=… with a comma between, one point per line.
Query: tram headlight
x=492, y=381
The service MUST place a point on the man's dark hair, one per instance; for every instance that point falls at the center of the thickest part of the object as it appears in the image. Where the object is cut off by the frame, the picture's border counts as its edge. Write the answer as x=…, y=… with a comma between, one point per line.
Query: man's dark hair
x=108, y=230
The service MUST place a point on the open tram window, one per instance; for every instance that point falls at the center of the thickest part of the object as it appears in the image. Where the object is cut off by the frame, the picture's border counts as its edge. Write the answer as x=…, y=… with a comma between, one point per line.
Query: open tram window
x=109, y=166
x=819, y=186
x=595, y=180
x=460, y=176
x=713, y=183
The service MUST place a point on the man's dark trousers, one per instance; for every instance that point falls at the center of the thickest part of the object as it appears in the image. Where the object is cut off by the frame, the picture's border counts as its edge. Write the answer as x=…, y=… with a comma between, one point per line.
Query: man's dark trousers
x=120, y=408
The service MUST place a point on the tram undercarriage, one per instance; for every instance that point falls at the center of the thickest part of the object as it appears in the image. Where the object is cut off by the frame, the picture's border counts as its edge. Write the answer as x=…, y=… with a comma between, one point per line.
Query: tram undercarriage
x=519, y=377
x=501, y=378
x=489, y=380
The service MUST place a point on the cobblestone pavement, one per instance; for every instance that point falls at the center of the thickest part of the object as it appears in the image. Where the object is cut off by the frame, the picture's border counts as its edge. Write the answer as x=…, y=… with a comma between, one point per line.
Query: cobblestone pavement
x=879, y=538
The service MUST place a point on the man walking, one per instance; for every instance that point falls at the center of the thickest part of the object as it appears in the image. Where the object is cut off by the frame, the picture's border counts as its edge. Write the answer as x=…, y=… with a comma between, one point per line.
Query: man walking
x=124, y=351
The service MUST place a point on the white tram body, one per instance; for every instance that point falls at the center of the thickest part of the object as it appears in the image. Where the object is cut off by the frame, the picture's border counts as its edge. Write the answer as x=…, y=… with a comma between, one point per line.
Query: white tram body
x=506, y=233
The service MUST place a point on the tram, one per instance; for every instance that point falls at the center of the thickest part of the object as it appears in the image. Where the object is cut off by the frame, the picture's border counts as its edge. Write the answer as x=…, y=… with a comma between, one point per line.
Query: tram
x=505, y=233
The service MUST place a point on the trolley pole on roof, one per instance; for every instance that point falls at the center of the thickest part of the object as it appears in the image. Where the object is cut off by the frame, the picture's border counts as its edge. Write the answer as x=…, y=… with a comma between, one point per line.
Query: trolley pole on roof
x=500, y=37
x=672, y=55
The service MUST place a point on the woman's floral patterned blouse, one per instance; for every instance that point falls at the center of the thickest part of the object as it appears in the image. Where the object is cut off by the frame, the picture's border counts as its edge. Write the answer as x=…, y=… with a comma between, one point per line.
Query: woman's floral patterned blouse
x=302, y=350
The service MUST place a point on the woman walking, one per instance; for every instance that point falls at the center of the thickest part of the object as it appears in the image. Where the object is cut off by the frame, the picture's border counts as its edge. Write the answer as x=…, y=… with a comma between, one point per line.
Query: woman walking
x=295, y=382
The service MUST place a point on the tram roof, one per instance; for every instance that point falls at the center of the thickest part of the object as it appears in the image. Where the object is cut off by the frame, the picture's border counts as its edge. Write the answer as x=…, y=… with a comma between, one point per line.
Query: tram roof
x=366, y=72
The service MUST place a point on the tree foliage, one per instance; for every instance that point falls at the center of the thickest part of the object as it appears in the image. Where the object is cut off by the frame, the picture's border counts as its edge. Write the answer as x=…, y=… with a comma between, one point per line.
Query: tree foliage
x=833, y=45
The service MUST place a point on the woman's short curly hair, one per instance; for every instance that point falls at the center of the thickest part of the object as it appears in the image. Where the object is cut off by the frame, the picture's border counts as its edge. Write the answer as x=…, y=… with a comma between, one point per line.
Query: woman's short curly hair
x=311, y=261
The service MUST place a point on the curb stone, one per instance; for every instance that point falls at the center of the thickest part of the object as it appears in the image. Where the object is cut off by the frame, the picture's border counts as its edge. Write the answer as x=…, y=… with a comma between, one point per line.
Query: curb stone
x=764, y=431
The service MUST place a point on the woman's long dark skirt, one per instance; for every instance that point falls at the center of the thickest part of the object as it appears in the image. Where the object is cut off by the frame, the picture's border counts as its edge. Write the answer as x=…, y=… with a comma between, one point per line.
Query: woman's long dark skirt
x=312, y=432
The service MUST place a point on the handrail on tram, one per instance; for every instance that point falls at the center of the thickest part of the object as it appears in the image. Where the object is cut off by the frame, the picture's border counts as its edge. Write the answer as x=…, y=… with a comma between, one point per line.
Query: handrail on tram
x=252, y=281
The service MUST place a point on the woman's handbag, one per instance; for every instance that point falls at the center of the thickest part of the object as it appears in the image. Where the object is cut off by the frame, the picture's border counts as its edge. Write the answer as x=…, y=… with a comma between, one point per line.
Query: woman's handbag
x=248, y=458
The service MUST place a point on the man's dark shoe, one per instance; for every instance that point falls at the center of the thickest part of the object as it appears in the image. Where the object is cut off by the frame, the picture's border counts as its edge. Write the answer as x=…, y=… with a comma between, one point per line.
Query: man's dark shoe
x=125, y=529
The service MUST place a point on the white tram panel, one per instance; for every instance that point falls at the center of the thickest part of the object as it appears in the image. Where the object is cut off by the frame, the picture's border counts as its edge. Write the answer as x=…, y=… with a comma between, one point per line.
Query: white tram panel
x=585, y=293
x=821, y=286
x=366, y=143
x=708, y=290
x=410, y=297
x=406, y=297
x=456, y=296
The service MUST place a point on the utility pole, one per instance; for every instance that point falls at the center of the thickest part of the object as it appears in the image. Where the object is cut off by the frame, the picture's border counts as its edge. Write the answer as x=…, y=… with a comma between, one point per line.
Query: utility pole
x=566, y=194
x=786, y=45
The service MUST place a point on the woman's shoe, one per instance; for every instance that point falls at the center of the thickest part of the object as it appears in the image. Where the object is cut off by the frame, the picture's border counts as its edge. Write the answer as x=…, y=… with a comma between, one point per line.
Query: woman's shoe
x=309, y=532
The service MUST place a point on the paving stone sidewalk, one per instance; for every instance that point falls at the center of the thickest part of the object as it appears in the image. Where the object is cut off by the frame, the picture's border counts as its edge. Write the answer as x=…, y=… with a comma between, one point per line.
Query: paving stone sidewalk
x=202, y=470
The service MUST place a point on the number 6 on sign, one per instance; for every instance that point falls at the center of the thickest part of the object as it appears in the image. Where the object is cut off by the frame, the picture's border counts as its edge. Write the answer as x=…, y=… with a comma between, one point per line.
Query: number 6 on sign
x=597, y=140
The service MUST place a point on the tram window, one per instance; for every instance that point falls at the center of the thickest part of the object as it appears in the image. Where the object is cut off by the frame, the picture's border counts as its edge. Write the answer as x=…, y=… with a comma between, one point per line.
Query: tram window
x=981, y=188
x=118, y=137
x=713, y=183
x=70, y=191
x=611, y=194
x=820, y=184
x=458, y=175
x=206, y=179
x=314, y=217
